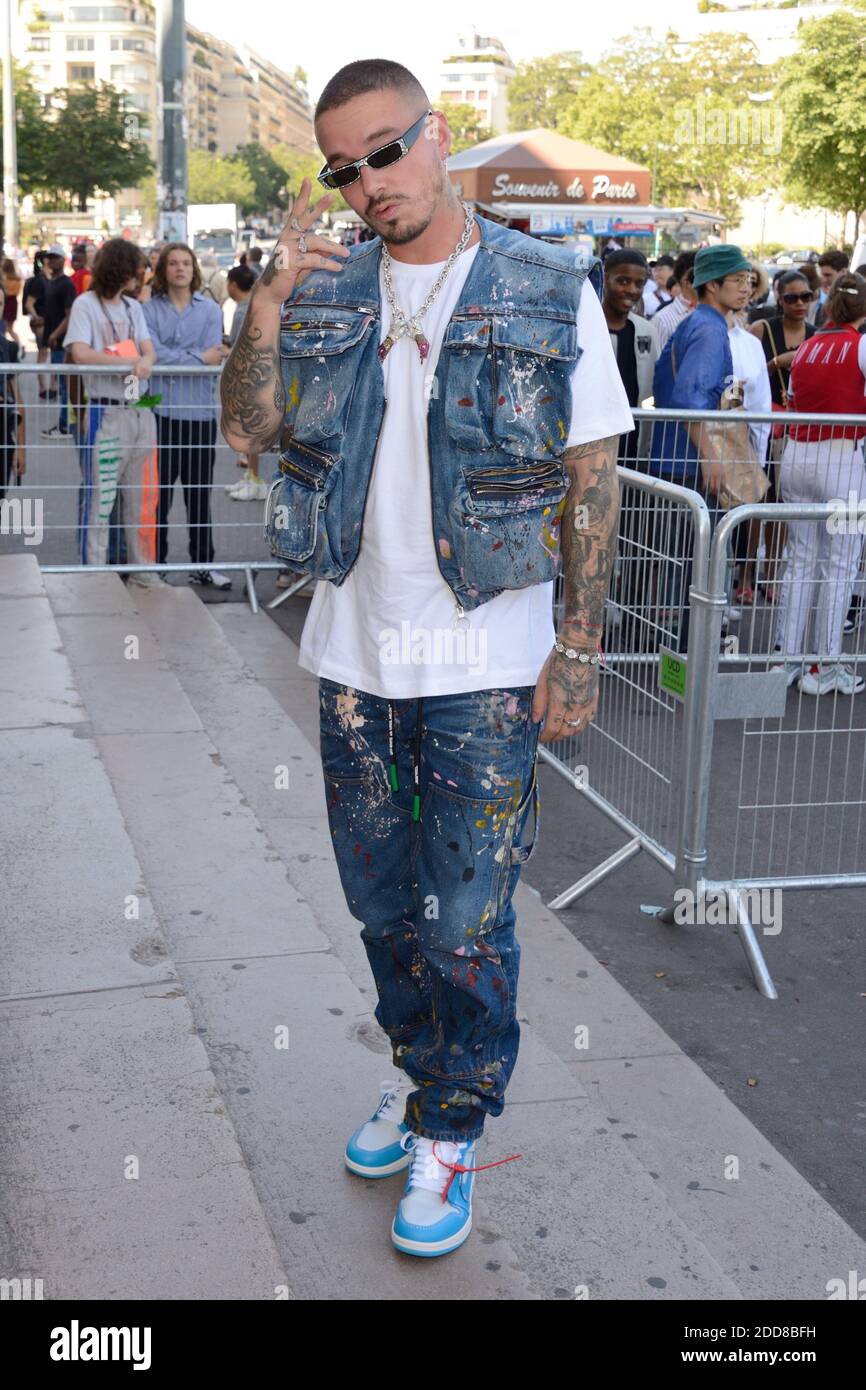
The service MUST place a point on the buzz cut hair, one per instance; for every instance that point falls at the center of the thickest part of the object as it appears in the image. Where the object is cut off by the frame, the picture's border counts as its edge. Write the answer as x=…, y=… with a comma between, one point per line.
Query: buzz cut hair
x=368, y=75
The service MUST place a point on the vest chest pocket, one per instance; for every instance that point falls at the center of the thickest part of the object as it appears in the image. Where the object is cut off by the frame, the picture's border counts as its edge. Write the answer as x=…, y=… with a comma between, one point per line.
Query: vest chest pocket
x=535, y=359
x=506, y=524
x=296, y=500
x=509, y=384
x=319, y=355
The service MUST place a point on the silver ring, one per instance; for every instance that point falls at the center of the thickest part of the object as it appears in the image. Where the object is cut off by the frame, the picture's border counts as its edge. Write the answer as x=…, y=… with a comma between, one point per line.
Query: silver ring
x=295, y=225
x=302, y=244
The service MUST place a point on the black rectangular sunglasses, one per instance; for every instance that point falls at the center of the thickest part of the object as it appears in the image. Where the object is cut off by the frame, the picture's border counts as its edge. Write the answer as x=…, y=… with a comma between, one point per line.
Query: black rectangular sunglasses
x=377, y=159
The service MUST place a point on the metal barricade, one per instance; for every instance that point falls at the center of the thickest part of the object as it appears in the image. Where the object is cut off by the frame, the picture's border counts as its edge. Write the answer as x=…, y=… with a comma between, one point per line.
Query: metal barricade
x=80, y=464
x=628, y=762
x=696, y=699
x=772, y=763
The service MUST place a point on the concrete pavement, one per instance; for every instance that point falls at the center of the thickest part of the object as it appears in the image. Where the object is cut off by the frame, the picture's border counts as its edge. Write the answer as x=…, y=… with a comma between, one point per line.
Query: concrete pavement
x=246, y=1037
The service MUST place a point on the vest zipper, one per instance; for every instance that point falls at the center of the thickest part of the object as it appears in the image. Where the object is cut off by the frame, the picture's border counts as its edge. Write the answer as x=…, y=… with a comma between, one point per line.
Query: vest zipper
x=289, y=467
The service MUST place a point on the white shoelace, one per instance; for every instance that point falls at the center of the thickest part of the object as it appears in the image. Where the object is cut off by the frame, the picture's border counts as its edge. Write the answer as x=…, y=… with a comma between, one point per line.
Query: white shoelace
x=392, y=1105
x=429, y=1170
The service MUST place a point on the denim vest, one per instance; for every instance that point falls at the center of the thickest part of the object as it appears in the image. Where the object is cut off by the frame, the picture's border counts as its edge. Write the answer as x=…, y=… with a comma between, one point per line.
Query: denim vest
x=498, y=415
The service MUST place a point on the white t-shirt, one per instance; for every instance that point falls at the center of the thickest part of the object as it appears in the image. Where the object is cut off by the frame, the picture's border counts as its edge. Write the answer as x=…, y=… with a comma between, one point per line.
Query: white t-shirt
x=750, y=367
x=98, y=325
x=388, y=629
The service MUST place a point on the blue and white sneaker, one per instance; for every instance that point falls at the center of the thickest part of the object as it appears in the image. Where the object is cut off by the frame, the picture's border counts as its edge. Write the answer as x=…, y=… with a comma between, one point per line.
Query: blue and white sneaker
x=429, y=1220
x=382, y=1145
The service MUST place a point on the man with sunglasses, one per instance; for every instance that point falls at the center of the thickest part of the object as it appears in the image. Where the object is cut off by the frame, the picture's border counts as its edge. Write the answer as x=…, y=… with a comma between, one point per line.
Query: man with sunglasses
x=448, y=407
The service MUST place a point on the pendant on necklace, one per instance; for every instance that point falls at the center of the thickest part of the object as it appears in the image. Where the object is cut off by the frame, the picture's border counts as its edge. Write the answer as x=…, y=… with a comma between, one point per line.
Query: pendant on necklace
x=384, y=348
x=423, y=345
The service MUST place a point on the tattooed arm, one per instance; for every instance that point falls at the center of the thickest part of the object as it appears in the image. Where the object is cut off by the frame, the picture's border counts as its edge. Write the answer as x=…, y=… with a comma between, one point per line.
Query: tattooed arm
x=567, y=688
x=251, y=385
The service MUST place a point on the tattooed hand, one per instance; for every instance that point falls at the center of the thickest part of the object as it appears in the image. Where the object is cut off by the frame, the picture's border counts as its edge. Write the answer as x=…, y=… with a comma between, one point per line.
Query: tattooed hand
x=567, y=689
x=287, y=265
x=251, y=386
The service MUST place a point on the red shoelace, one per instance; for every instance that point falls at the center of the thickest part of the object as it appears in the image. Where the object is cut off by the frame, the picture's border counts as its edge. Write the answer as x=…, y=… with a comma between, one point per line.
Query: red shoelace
x=460, y=1168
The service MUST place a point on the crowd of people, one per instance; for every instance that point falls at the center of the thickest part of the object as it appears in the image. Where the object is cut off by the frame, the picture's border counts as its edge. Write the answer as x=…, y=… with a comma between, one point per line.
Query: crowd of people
x=134, y=443
x=688, y=331
x=696, y=332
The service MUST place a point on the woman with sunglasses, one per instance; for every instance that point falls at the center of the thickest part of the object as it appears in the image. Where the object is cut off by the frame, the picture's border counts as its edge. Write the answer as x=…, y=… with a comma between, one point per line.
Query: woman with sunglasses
x=779, y=336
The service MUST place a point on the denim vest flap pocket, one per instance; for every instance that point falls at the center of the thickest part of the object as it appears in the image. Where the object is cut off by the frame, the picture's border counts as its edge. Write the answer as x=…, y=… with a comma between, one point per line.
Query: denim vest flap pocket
x=514, y=488
x=295, y=501
x=320, y=354
x=535, y=358
x=546, y=337
x=320, y=335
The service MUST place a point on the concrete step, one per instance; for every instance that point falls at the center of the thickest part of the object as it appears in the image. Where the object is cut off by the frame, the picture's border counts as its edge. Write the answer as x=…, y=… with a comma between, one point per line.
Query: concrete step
x=123, y=1177
x=581, y=1210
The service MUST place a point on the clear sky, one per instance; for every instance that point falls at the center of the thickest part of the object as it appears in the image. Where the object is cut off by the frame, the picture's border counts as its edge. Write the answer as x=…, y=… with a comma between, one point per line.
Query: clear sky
x=322, y=35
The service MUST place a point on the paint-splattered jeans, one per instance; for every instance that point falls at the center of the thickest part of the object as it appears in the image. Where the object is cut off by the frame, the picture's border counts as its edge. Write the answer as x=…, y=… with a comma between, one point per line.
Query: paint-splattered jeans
x=435, y=894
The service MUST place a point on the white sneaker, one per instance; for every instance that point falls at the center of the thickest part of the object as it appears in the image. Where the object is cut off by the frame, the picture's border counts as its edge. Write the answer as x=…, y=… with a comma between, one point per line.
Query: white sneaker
x=249, y=492
x=219, y=580
x=824, y=680
x=427, y=1221
x=382, y=1145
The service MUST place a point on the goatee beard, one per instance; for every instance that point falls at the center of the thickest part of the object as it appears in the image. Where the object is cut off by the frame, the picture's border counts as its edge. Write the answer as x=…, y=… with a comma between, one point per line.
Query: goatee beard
x=400, y=236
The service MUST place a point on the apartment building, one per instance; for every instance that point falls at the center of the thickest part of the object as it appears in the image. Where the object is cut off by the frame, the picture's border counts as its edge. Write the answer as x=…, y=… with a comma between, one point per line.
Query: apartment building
x=477, y=71
x=233, y=95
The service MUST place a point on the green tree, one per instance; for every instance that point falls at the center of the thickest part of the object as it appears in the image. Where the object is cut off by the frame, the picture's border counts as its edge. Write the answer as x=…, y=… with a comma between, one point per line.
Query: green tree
x=821, y=95
x=687, y=111
x=297, y=166
x=214, y=180
x=32, y=145
x=93, y=141
x=466, y=129
x=268, y=179
x=543, y=89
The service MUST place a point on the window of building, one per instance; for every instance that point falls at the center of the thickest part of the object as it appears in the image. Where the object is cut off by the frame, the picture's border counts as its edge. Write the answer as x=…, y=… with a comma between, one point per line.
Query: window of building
x=81, y=72
x=130, y=46
x=483, y=94
x=470, y=95
x=40, y=43
x=78, y=45
x=90, y=14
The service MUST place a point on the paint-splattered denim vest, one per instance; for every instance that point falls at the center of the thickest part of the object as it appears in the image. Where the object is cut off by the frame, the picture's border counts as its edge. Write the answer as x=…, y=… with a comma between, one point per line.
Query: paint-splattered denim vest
x=498, y=414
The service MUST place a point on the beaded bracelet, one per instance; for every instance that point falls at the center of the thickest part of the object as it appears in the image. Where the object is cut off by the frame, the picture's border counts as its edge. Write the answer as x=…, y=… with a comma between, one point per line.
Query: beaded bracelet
x=577, y=656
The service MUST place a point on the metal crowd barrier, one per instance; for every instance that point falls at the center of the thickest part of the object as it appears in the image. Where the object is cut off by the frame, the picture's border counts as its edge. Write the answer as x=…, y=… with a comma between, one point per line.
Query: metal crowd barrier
x=707, y=752
x=59, y=492
x=628, y=762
